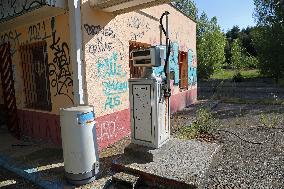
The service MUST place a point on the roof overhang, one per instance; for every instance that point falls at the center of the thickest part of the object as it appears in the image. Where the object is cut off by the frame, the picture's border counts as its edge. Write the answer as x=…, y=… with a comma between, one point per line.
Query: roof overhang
x=122, y=6
x=25, y=12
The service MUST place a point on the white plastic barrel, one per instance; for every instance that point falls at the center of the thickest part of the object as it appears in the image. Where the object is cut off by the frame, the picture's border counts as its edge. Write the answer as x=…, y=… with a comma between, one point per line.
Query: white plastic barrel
x=79, y=143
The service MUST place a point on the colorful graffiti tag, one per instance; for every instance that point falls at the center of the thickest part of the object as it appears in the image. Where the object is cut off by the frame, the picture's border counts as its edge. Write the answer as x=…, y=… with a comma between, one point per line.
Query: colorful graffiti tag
x=173, y=60
x=111, y=72
x=174, y=66
x=192, y=69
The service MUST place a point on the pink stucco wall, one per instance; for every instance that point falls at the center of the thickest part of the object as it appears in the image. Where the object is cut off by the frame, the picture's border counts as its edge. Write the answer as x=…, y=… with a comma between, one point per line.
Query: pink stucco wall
x=106, y=40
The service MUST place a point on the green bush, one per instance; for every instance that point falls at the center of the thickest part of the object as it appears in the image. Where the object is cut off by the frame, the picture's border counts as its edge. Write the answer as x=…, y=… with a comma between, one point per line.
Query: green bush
x=250, y=62
x=204, y=124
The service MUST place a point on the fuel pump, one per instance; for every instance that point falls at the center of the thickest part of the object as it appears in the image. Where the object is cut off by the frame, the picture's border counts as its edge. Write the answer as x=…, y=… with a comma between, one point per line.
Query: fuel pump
x=150, y=95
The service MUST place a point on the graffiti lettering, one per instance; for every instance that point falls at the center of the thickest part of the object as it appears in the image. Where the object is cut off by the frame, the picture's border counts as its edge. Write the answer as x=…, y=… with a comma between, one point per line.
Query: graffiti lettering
x=12, y=8
x=140, y=28
x=13, y=37
x=94, y=30
x=136, y=22
x=108, y=130
x=136, y=36
x=38, y=32
x=112, y=89
x=174, y=66
x=59, y=69
x=109, y=70
x=112, y=101
x=115, y=87
x=109, y=67
x=100, y=46
x=192, y=70
x=91, y=29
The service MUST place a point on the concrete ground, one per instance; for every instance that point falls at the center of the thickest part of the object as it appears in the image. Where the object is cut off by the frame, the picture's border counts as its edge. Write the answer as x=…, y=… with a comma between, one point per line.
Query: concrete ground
x=10, y=180
x=181, y=160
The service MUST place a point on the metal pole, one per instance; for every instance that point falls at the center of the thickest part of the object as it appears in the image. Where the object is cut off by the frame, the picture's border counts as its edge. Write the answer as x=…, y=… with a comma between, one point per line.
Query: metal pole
x=167, y=47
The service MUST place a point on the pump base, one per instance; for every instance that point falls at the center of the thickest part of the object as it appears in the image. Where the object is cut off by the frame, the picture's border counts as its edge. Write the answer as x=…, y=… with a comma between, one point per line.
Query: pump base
x=84, y=178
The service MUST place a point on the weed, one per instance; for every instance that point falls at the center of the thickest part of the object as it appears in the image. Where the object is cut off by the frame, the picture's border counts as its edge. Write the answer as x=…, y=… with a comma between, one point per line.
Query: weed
x=204, y=124
x=269, y=121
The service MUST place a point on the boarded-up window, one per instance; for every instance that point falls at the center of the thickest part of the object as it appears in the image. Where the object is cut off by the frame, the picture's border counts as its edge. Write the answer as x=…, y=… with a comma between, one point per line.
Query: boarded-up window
x=35, y=75
x=183, y=73
x=136, y=72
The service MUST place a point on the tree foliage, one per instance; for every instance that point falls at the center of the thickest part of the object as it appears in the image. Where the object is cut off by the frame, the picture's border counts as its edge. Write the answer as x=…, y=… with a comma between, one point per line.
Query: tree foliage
x=210, y=40
x=210, y=46
x=268, y=37
x=188, y=7
x=269, y=12
x=245, y=38
x=237, y=52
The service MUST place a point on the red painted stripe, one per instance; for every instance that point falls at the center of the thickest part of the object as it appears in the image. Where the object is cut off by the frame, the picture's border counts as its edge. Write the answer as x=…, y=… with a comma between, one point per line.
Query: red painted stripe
x=110, y=128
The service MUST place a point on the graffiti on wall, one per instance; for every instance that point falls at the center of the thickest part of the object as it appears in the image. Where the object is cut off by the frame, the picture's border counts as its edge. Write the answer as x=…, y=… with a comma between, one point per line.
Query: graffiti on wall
x=37, y=32
x=111, y=72
x=173, y=60
x=59, y=68
x=12, y=36
x=174, y=66
x=105, y=40
x=139, y=26
x=97, y=29
x=108, y=130
x=192, y=68
x=12, y=8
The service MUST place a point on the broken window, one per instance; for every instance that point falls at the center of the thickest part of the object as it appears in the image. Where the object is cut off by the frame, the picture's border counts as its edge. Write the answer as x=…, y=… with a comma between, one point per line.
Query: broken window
x=183, y=70
x=34, y=61
x=136, y=72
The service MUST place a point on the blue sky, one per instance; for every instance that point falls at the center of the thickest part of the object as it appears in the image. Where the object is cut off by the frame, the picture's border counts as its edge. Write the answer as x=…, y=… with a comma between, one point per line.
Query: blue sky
x=228, y=12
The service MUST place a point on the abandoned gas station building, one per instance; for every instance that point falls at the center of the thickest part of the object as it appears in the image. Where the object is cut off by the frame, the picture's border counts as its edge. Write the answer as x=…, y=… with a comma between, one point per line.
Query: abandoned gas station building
x=57, y=54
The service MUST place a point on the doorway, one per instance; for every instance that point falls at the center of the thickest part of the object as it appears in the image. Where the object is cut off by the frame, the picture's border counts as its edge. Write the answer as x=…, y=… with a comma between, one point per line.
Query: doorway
x=7, y=82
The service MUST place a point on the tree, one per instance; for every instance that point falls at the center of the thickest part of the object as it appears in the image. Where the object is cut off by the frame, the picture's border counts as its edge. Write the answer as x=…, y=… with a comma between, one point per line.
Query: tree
x=245, y=38
x=268, y=37
x=269, y=44
x=237, y=59
x=210, y=40
x=269, y=12
x=188, y=7
x=210, y=46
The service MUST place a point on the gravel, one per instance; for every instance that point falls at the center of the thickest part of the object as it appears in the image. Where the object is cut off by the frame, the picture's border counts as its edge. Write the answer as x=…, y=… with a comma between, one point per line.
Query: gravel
x=252, y=154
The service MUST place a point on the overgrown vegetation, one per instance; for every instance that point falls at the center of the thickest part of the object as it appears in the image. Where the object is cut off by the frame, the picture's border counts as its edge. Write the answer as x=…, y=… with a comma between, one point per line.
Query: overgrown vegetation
x=269, y=121
x=210, y=46
x=229, y=74
x=211, y=40
x=204, y=124
x=251, y=101
x=268, y=37
x=260, y=47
